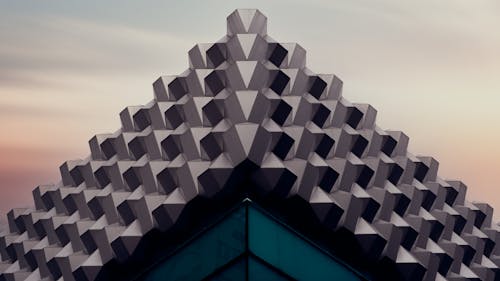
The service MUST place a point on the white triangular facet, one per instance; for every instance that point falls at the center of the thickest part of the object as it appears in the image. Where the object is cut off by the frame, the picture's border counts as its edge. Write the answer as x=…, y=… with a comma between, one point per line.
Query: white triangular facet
x=246, y=100
x=198, y=134
x=272, y=161
x=246, y=42
x=246, y=16
x=246, y=69
x=203, y=50
x=200, y=102
x=201, y=74
x=246, y=134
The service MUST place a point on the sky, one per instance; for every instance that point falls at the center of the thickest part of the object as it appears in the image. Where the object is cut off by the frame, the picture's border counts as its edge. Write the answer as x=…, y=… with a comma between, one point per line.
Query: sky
x=430, y=68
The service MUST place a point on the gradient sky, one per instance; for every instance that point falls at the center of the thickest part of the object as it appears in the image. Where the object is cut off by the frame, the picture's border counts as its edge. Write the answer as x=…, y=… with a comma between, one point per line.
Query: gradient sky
x=430, y=68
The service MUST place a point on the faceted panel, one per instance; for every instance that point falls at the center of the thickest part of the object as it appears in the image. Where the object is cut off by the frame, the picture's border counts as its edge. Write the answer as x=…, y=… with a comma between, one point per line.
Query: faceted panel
x=248, y=118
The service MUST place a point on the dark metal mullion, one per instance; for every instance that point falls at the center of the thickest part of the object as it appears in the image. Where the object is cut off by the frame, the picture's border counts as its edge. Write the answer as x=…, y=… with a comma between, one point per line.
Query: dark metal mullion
x=226, y=266
x=270, y=266
x=309, y=241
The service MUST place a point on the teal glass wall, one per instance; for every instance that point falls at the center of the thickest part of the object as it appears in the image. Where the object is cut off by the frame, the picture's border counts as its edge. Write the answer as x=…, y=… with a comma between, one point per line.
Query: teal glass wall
x=249, y=244
x=204, y=254
x=285, y=250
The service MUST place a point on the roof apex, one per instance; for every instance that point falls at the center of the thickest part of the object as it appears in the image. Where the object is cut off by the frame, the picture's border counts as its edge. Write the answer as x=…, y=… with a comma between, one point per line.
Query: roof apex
x=246, y=21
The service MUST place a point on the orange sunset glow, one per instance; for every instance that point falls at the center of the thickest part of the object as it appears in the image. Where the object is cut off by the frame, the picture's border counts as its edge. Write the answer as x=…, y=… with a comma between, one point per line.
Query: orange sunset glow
x=430, y=68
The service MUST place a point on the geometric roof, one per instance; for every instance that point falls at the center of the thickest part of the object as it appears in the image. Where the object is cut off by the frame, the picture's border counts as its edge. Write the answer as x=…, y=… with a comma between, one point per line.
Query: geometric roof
x=246, y=244
x=248, y=119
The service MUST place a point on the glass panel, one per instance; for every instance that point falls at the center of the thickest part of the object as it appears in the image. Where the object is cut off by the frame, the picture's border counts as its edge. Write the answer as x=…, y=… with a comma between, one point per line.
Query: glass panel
x=235, y=272
x=258, y=271
x=290, y=253
x=207, y=252
x=282, y=253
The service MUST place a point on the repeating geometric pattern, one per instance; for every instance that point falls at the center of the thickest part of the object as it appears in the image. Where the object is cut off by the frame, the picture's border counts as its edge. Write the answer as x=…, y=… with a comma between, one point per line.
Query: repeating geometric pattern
x=248, y=97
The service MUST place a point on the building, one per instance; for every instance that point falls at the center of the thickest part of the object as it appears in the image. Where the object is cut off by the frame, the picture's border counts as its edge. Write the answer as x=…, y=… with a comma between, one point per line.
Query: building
x=249, y=166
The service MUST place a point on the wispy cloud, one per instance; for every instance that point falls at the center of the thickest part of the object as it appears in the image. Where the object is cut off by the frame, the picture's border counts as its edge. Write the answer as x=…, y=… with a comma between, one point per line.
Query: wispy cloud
x=430, y=67
x=82, y=47
x=15, y=110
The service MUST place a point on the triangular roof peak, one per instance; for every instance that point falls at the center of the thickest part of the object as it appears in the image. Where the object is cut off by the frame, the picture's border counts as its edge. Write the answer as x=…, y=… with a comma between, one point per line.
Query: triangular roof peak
x=248, y=119
x=246, y=21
